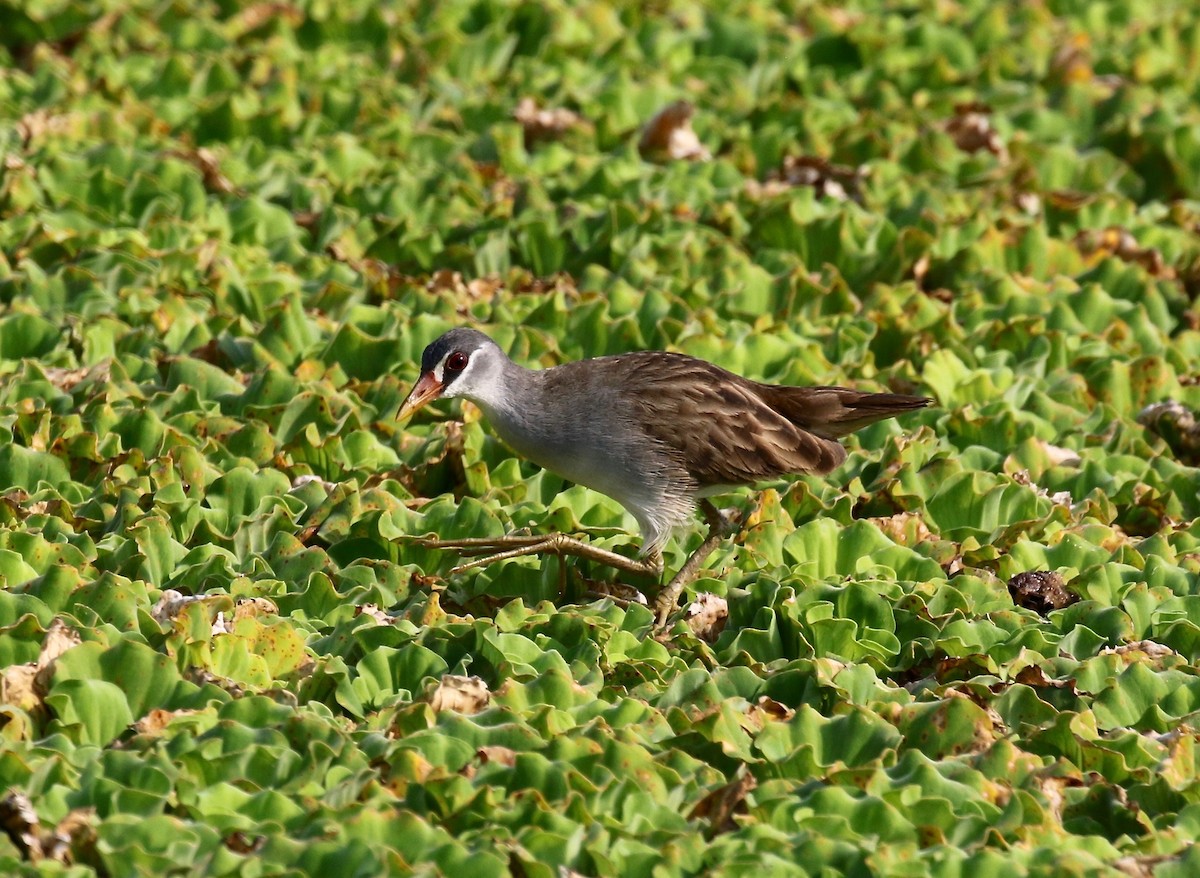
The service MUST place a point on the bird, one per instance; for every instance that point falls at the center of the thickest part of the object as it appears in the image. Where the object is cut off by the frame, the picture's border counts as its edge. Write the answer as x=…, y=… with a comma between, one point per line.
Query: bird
x=657, y=431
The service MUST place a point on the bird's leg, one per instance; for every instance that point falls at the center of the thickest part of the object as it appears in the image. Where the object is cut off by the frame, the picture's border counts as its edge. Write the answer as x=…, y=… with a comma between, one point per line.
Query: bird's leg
x=479, y=545
x=719, y=527
x=519, y=545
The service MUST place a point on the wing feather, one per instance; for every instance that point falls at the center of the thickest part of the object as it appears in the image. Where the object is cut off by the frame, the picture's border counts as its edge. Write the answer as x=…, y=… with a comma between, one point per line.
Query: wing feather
x=718, y=424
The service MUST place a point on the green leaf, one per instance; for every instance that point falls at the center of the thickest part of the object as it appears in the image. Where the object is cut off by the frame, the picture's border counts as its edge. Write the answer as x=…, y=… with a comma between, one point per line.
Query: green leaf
x=89, y=711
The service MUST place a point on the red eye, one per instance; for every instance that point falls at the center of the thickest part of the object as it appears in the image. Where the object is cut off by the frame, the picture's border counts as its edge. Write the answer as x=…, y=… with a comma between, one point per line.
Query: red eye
x=456, y=362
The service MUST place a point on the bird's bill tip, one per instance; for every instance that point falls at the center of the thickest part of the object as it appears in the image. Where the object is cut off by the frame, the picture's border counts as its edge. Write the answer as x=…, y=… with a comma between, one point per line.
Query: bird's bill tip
x=425, y=391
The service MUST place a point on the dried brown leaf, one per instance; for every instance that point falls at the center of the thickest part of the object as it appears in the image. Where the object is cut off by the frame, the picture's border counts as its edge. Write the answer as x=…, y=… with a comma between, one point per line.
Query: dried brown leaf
x=375, y=613
x=1068, y=199
x=249, y=608
x=1053, y=790
x=543, y=124
x=308, y=479
x=495, y=753
x=669, y=135
x=972, y=131
x=59, y=638
x=1029, y=203
x=920, y=269
x=15, y=497
x=19, y=821
x=707, y=616
x=204, y=677
x=43, y=123
x=243, y=843
x=445, y=280
x=209, y=166
x=1034, y=676
x=721, y=804
x=158, y=719
x=1141, y=866
x=839, y=182
x=256, y=15
x=903, y=528
x=772, y=709
x=1060, y=456
x=25, y=685
x=460, y=694
x=954, y=566
x=19, y=687
x=1120, y=242
x=1072, y=62
x=66, y=379
x=484, y=287
x=527, y=283
x=1040, y=591
x=1176, y=424
x=1149, y=648
x=1062, y=498
x=170, y=604
x=74, y=834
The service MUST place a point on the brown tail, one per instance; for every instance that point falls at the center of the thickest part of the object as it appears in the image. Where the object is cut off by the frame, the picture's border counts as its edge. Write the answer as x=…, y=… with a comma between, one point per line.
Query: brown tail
x=834, y=412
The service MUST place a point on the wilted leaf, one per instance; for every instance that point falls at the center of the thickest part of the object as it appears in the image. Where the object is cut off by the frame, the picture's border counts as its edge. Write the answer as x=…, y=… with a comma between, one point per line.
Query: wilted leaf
x=1072, y=59
x=1146, y=647
x=375, y=613
x=59, y=638
x=707, y=616
x=206, y=161
x=543, y=124
x=505, y=756
x=839, y=182
x=669, y=135
x=719, y=806
x=19, y=687
x=73, y=840
x=157, y=720
x=1176, y=424
x=1040, y=591
x=171, y=604
x=459, y=694
x=1120, y=242
x=1060, y=456
x=1062, y=498
x=905, y=528
x=247, y=608
x=20, y=824
x=972, y=130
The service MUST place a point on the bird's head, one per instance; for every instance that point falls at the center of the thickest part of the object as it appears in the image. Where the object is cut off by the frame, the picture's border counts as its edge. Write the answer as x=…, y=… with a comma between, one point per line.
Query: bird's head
x=462, y=362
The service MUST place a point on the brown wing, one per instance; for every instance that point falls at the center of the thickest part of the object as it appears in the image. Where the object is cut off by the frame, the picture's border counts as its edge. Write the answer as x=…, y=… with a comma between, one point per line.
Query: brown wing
x=722, y=430
x=834, y=412
x=728, y=430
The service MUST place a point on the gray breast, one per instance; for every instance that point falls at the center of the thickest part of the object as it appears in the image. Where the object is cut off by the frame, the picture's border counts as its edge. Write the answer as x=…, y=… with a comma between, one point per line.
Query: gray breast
x=575, y=422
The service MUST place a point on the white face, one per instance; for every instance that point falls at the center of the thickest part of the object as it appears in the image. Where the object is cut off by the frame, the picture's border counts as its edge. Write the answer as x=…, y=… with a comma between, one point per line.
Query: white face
x=478, y=380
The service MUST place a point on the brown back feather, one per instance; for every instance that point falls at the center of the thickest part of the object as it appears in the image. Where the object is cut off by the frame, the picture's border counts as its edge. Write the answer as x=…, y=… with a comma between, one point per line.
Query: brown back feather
x=728, y=430
x=834, y=412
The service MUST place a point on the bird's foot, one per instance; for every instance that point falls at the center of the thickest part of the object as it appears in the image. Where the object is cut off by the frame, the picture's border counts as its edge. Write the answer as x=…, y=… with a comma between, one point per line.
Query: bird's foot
x=490, y=547
x=719, y=527
x=519, y=545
